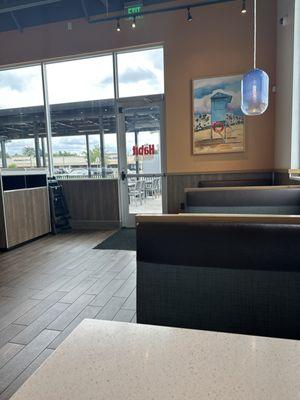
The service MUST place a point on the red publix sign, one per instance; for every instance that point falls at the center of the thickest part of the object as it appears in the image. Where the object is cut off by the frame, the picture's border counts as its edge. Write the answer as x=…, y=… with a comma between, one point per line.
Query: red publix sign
x=143, y=150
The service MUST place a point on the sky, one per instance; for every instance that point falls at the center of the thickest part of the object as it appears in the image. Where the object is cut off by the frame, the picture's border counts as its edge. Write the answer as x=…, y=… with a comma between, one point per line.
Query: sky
x=139, y=73
x=204, y=89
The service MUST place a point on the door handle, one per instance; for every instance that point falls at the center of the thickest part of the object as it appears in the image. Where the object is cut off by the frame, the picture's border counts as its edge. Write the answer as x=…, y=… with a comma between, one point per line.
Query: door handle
x=123, y=176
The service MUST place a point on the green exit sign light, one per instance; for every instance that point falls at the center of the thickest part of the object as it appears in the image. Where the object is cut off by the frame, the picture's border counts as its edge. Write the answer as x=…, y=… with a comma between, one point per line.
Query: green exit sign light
x=134, y=10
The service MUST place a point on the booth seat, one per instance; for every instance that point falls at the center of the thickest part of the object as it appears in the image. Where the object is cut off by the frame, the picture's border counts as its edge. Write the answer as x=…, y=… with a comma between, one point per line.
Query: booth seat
x=244, y=200
x=228, y=273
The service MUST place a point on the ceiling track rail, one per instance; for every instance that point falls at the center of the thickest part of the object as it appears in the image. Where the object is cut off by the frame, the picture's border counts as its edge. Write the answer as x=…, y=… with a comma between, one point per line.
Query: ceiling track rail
x=25, y=5
x=159, y=11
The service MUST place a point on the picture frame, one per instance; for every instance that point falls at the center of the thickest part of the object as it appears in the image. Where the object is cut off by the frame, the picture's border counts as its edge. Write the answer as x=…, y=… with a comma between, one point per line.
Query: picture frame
x=218, y=124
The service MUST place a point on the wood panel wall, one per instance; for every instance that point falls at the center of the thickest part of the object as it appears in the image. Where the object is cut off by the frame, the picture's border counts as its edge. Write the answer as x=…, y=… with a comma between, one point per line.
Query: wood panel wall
x=178, y=182
x=92, y=203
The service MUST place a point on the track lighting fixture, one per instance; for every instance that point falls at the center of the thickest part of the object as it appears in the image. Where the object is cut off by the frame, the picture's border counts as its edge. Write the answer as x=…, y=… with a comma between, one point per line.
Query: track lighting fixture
x=189, y=15
x=244, y=9
x=133, y=24
x=118, y=28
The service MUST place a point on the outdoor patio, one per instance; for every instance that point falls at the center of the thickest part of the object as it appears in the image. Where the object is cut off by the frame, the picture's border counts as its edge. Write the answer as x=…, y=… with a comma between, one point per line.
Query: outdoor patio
x=149, y=206
x=145, y=195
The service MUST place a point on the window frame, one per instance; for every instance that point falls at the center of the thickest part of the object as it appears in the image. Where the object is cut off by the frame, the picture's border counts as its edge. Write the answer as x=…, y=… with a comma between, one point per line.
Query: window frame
x=46, y=104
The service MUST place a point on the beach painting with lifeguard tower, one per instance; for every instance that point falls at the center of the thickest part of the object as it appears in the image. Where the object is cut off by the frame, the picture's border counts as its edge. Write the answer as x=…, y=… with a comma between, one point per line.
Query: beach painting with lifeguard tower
x=218, y=121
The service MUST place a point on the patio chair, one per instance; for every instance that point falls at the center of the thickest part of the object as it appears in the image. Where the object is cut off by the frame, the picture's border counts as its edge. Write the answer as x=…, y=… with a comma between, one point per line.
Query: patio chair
x=153, y=187
x=137, y=192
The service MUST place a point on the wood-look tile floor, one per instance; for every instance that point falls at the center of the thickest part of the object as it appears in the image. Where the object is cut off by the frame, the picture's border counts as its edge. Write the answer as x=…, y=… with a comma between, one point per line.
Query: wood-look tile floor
x=47, y=288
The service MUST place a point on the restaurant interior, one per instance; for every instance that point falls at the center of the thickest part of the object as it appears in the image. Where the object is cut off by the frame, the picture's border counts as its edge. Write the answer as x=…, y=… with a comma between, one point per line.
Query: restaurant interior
x=149, y=199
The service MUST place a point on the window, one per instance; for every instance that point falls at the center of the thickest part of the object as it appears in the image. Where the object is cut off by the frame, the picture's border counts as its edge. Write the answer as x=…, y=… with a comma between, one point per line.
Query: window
x=80, y=118
x=104, y=155
x=141, y=72
x=143, y=131
x=81, y=96
x=69, y=155
x=22, y=120
x=80, y=80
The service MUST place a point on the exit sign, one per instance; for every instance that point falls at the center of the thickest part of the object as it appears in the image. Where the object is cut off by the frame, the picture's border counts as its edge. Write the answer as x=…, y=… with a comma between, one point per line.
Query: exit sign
x=133, y=8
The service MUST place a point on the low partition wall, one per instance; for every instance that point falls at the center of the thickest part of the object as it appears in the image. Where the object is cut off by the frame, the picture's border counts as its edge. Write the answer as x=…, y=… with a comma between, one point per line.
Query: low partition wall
x=177, y=183
x=92, y=203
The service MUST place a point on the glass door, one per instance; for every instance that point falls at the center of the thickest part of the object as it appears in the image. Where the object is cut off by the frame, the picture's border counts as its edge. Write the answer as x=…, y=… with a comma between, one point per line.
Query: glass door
x=141, y=157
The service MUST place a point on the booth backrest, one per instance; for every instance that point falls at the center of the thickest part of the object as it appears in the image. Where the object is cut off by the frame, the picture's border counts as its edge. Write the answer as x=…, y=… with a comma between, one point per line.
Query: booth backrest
x=244, y=200
x=233, y=273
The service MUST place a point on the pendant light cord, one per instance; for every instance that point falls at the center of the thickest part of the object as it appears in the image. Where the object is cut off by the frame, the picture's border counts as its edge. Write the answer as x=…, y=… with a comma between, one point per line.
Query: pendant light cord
x=255, y=34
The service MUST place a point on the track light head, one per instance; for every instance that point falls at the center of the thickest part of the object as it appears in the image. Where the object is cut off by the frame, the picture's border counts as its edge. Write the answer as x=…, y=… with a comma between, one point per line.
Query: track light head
x=244, y=9
x=189, y=15
x=118, y=28
x=133, y=24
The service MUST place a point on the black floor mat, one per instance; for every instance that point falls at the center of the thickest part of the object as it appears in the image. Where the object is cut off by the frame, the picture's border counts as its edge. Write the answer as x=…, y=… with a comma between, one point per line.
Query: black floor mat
x=124, y=239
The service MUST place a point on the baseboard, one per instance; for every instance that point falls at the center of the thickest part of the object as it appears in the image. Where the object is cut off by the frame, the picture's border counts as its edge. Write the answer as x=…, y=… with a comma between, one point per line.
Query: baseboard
x=94, y=225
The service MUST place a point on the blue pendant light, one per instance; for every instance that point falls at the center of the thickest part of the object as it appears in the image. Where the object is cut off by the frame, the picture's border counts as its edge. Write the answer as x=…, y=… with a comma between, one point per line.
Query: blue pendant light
x=255, y=86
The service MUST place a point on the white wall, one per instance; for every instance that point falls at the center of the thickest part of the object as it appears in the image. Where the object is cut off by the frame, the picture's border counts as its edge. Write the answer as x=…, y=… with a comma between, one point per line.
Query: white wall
x=287, y=82
x=295, y=158
x=284, y=84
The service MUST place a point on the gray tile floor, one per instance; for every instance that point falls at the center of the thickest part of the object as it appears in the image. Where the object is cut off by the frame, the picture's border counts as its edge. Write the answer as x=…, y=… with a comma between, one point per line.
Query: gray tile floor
x=47, y=288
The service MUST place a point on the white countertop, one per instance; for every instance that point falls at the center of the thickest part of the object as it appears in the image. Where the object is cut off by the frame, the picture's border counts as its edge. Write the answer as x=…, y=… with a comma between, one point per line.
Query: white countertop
x=120, y=361
x=23, y=171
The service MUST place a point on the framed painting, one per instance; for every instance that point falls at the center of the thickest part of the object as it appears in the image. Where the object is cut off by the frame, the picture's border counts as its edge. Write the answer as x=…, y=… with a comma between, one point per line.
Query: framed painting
x=218, y=121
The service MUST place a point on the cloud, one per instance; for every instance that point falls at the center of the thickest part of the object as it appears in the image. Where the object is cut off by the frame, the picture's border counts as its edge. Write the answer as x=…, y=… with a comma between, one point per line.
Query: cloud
x=12, y=81
x=73, y=144
x=141, y=73
x=157, y=58
x=205, y=89
x=21, y=87
x=80, y=80
x=203, y=105
x=137, y=74
x=17, y=146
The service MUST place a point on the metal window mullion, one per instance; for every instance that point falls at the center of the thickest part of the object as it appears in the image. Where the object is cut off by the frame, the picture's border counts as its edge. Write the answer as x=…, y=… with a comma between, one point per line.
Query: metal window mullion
x=120, y=131
x=37, y=150
x=116, y=78
x=102, y=150
x=163, y=155
x=43, y=151
x=3, y=153
x=88, y=154
x=48, y=119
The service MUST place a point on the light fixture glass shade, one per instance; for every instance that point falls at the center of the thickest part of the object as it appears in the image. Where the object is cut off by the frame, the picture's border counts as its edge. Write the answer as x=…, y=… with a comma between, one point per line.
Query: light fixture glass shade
x=255, y=92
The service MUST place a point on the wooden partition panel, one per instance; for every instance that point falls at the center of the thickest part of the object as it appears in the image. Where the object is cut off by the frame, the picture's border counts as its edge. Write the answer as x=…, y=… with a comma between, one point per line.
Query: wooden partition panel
x=2, y=221
x=93, y=203
x=27, y=215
